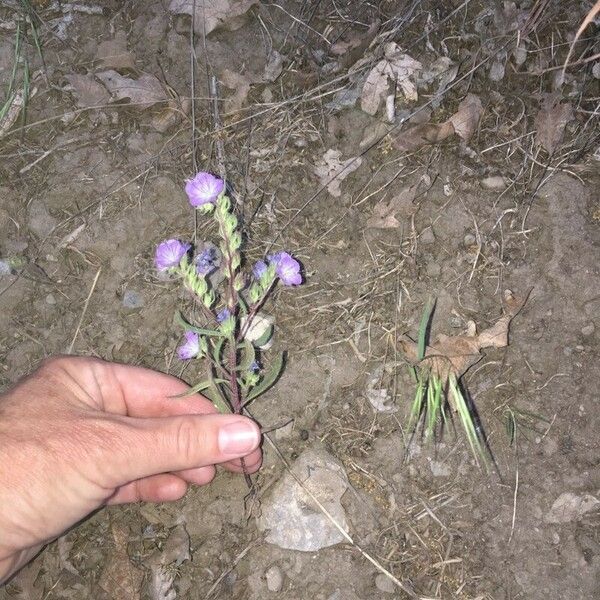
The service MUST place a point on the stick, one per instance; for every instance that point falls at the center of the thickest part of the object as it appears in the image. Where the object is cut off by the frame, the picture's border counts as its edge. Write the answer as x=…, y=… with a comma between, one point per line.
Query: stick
x=85, y=307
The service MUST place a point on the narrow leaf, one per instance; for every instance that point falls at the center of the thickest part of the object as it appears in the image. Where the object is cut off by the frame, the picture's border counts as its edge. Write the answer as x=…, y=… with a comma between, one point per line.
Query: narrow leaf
x=183, y=322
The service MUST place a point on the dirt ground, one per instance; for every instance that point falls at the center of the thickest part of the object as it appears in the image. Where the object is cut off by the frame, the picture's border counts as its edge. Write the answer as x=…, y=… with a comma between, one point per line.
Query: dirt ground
x=93, y=179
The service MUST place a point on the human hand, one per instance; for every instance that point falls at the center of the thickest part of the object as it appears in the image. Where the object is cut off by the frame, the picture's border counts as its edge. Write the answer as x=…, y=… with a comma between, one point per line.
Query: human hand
x=80, y=433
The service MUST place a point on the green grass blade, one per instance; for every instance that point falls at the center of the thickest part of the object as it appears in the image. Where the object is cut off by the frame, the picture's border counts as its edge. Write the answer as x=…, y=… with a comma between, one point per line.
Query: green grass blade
x=466, y=420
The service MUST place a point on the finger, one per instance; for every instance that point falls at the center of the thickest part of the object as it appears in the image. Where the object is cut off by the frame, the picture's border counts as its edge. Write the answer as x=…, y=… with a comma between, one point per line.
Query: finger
x=165, y=487
x=252, y=463
x=199, y=476
x=169, y=444
x=139, y=392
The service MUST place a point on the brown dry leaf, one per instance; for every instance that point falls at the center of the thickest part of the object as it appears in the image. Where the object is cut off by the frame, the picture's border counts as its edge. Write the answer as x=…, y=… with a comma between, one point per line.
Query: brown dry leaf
x=214, y=14
x=331, y=166
x=354, y=48
x=384, y=213
x=241, y=86
x=421, y=135
x=550, y=123
x=143, y=92
x=119, y=578
x=87, y=90
x=273, y=67
x=466, y=119
x=397, y=67
x=175, y=111
x=113, y=54
x=456, y=354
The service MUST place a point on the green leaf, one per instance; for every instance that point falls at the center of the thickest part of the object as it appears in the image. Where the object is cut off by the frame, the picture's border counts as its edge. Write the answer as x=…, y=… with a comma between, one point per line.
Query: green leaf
x=217, y=347
x=268, y=379
x=248, y=356
x=199, y=387
x=181, y=320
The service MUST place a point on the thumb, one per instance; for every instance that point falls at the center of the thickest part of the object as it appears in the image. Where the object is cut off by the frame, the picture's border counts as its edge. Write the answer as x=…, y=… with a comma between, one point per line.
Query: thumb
x=160, y=445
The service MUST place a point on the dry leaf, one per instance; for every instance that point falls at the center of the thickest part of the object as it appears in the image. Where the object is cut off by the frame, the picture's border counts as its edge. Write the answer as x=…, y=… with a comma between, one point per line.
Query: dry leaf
x=456, y=354
x=143, y=92
x=273, y=67
x=87, y=90
x=119, y=578
x=550, y=123
x=384, y=213
x=16, y=103
x=331, y=167
x=396, y=67
x=421, y=135
x=466, y=119
x=214, y=14
x=175, y=111
x=354, y=48
x=113, y=54
x=241, y=86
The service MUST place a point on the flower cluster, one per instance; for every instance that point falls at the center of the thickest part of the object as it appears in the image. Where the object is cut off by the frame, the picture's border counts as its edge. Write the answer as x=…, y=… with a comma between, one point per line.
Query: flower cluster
x=235, y=329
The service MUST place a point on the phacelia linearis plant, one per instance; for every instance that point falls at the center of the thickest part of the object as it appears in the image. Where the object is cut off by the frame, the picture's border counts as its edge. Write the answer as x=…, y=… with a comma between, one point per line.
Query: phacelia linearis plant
x=234, y=333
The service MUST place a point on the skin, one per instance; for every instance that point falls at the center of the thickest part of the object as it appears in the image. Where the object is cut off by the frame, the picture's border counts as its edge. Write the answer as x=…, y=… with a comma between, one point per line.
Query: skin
x=81, y=433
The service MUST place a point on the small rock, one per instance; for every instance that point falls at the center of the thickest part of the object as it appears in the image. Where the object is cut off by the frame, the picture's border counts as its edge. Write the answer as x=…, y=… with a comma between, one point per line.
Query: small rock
x=289, y=514
x=469, y=239
x=5, y=268
x=50, y=299
x=588, y=329
x=274, y=578
x=571, y=507
x=439, y=469
x=132, y=299
x=433, y=269
x=496, y=182
x=427, y=237
x=385, y=584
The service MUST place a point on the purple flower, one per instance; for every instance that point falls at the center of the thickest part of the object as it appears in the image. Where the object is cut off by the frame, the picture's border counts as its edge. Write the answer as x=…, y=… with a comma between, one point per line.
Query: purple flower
x=287, y=268
x=169, y=254
x=259, y=268
x=203, y=189
x=206, y=261
x=223, y=314
x=190, y=348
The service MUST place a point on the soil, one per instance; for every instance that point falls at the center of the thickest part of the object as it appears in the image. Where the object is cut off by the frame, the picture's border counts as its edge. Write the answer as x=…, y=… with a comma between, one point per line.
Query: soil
x=86, y=193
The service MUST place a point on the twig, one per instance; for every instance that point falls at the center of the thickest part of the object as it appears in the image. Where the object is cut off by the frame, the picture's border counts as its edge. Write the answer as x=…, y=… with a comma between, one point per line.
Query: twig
x=85, y=307
x=514, y=515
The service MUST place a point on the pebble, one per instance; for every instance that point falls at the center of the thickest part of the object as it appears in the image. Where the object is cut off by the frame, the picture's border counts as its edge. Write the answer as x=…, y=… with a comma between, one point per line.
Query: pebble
x=384, y=584
x=5, y=268
x=496, y=182
x=469, y=239
x=274, y=578
x=50, y=299
x=588, y=329
x=132, y=299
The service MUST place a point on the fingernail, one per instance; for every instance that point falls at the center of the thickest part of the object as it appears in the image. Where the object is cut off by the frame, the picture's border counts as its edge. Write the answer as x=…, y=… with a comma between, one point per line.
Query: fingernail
x=238, y=438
